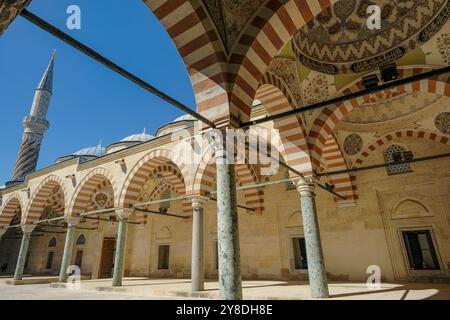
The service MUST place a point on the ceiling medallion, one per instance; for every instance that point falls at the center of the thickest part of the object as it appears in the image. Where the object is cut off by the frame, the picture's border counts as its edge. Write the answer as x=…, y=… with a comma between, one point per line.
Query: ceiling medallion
x=339, y=41
x=353, y=144
x=101, y=199
x=442, y=122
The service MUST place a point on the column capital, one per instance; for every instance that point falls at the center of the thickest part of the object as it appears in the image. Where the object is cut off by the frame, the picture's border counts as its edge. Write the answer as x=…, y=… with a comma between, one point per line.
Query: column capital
x=124, y=213
x=72, y=221
x=28, y=228
x=306, y=186
x=217, y=137
x=199, y=202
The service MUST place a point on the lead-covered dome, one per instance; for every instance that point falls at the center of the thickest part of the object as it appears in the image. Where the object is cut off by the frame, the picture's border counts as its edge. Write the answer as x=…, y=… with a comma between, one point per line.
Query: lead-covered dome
x=97, y=151
x=139, y=137
x=179, y=123
x=130, y=141
x=88, y=153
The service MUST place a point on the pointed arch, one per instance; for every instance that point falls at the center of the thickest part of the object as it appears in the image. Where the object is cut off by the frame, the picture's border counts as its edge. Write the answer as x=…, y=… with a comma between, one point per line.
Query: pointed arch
x=291, y=131
x=345, y=183
x=205, y=173
x=274, y=34
x=329, y=117
x=51, y=188
x=12, y=205
x=389, y=137
x=95, y=180
x=157, y=162
x=188, y=24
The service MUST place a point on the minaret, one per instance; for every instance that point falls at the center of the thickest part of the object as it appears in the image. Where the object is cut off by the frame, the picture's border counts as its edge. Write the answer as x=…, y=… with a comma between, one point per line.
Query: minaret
x=35, y=126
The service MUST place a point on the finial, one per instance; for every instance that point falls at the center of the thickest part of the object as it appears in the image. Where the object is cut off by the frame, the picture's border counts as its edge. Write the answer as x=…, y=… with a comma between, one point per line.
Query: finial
x=100, y=143
x=145, y=130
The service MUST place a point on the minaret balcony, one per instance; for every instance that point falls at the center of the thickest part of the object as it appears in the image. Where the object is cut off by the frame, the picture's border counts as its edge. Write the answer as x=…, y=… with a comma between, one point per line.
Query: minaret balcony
x=36, y=124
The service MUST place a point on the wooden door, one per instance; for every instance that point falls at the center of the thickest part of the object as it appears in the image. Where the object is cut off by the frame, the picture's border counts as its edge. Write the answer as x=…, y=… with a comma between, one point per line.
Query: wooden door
x=107, y=258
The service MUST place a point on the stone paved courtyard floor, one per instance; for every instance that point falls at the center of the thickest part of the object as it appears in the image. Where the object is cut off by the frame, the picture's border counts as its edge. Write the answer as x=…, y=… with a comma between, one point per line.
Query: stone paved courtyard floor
x=143, y=288
x=45, y=292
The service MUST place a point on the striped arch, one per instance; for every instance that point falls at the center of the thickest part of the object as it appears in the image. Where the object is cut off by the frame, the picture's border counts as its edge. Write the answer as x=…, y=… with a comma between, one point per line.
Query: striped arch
x=330, y=116
x=156, y=162
x=11, y=206
x=345, y=183
x=387, y=138
x=202, y=51
x=205, y=174
x=292, y=134
x=275, y=33
x=94, y=181
x=48, y=191
x=271, y=79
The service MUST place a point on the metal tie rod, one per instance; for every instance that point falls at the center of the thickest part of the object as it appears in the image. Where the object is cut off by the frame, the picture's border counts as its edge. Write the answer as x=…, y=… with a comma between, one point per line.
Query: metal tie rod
x=358, y=94
x=109, y=64
x=161, y=214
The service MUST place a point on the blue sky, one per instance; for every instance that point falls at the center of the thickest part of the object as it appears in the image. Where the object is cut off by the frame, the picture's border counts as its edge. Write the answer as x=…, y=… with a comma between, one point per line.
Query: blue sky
x=90, y=103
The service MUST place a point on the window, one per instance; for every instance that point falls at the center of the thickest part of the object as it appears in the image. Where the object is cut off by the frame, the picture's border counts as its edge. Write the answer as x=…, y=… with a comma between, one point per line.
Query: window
x=420, y=250
x=51, y=253
x=81, y=241
x=79, y=258
x=52, y=243
x=163, y=257
x=395, y=154
x=300, y=260
x=290, y=185
x=49, y=264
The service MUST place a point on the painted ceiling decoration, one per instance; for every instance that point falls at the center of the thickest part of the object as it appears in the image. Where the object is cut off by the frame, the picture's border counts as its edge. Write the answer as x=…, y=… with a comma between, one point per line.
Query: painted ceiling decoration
x=231, y=16
x=442, y=122
x=316, y=89
x=103, y=199
x=443, y=45
x=338, y=41
x=353, y=144
x=286, y=69
x=9, y=11
x=386, y=108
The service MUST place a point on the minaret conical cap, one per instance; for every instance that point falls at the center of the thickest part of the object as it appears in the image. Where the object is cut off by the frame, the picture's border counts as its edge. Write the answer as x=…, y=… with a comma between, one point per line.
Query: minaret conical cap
x=47, y=80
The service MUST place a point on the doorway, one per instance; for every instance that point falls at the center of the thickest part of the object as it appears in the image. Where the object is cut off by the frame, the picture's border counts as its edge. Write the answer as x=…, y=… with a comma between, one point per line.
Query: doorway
x=107, y=258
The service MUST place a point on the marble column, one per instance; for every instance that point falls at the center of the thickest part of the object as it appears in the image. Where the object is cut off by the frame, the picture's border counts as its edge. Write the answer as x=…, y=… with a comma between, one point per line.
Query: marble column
x=122, y=215
x=316, y=266
x=68, y=247
x=198, y=245
x=230, y=282
x=27, y=230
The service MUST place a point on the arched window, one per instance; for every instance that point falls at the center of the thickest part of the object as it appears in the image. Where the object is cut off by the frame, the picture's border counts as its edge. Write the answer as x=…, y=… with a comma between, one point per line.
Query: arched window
x=52, y=243
x=395, y=154
x=81, y=241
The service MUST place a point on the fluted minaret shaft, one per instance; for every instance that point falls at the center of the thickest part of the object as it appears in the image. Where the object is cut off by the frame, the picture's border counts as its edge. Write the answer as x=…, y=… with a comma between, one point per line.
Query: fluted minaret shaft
x=35, y=125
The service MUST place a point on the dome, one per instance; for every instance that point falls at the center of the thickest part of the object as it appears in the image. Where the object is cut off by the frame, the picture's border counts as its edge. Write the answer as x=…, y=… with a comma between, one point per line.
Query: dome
x=179, y=123
x=140, y=137
x=186, y=117
x=98, y=151
x=337, y=41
